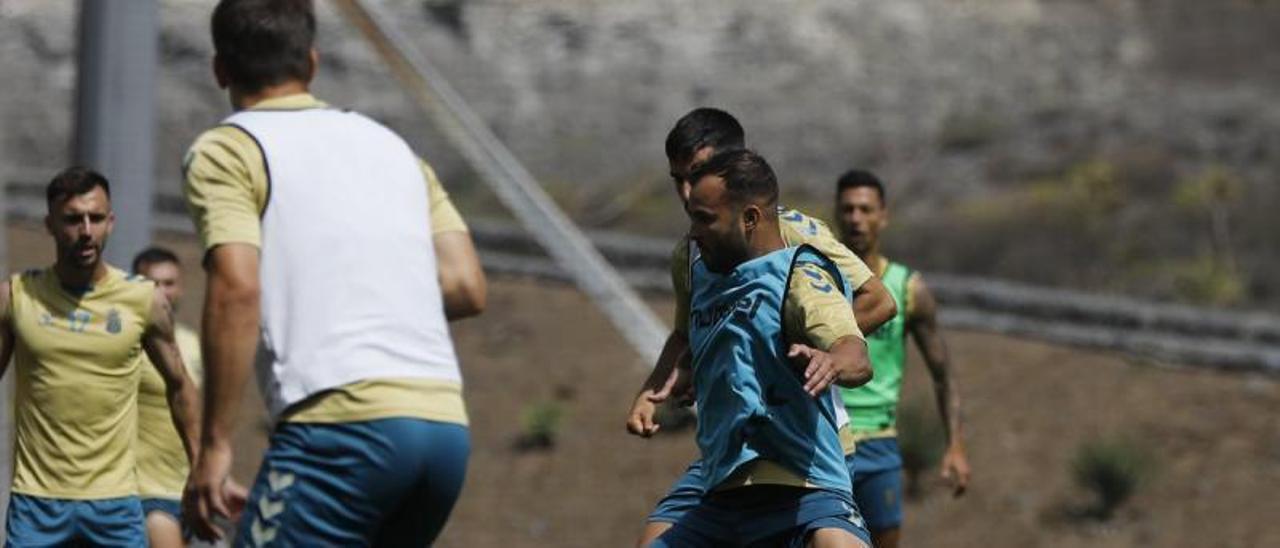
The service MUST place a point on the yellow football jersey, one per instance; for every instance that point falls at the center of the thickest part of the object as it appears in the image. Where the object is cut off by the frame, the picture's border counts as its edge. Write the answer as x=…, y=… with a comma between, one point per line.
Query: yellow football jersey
x=76, y=365
x=162, y=461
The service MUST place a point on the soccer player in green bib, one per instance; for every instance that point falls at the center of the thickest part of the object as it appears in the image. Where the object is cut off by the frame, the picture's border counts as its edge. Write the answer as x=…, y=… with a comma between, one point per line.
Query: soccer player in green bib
x=876, y=467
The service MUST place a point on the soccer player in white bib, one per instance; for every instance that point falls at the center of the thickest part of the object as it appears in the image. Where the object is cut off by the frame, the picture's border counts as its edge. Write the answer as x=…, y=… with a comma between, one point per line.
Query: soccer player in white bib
x=332, y=243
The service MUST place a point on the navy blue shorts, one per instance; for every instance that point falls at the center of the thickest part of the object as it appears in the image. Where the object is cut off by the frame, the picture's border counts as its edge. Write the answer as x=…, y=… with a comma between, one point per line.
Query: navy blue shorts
x=876, y=469
x=388, y=482
x=683, y=496
x=167, y=506
x=41, y=521
x=764, y=516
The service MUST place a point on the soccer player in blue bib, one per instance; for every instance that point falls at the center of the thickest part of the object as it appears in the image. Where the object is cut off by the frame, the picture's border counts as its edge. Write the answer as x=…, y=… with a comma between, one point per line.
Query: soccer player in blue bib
x=861, y=213
x=770, y=330
x=697, y=136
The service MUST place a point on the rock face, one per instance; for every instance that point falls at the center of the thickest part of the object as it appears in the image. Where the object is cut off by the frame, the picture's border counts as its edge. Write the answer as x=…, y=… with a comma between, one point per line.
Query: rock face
x=945, y=99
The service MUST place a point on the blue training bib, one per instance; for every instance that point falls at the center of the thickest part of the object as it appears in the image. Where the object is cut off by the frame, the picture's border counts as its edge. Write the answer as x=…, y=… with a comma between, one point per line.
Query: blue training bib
x=751, y=399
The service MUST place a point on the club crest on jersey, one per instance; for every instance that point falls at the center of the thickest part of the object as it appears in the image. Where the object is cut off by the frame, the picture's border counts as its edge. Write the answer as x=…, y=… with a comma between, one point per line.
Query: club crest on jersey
x=113, y=322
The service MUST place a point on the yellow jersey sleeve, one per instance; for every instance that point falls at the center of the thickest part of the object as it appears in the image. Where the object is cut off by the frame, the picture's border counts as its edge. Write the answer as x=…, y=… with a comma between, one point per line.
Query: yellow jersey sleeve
x=444, y=216
x=799, y=228
x=816, y=309
x=226, y=185
x=680, y=284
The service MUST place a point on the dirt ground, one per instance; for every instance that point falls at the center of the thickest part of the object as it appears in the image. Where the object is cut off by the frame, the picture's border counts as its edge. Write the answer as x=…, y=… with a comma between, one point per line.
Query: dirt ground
x=1028, y=406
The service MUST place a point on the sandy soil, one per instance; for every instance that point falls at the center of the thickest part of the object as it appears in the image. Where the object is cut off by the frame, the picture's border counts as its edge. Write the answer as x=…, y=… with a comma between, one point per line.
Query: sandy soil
x=1216, y=437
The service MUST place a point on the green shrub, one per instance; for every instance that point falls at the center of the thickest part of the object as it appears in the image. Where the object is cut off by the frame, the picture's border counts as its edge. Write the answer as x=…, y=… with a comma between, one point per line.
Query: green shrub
x=1111, y=470
x=1205, y=280
x=540, y=425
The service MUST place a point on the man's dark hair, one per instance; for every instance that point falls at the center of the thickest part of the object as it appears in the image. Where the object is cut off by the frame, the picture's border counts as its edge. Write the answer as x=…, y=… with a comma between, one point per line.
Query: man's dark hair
x=262, y=43
x=747, y=176
x=857, y=178
x=154, y=255
x=703, y=127
x=72, y=182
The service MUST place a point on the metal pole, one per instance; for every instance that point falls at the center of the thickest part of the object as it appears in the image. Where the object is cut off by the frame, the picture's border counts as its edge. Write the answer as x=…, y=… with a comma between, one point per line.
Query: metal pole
x=6, y=383
x=115, y=114
x=514, y=185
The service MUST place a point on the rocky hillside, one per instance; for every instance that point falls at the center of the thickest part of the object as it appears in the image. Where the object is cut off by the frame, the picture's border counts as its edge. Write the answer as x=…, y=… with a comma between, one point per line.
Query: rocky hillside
x=980, y=112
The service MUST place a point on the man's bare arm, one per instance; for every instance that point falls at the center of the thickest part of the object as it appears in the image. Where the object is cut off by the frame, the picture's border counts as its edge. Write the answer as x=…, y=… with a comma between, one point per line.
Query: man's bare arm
x=669, y=376
x=229, y=339
x=6, y=329
x=873, y=305
x=462, y=280
x=845, y=364
x=923, y=325
x=159, y=344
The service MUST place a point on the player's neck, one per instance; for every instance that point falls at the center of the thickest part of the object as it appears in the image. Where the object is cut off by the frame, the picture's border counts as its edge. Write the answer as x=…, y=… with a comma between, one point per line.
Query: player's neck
x=242, y=100
x=766, y=240
x=874, y=260
x=79, y=278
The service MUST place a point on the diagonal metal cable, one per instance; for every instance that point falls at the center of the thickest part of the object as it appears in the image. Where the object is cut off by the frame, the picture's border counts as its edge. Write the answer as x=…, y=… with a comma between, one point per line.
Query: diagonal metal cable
x=513, y=184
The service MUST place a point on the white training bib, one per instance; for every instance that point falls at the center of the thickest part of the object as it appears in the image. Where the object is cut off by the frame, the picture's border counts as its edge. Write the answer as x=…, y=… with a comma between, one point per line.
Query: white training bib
x=349, y=283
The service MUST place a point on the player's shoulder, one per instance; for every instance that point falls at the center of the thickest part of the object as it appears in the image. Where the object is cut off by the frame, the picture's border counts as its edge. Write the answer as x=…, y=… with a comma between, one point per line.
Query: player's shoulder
x=26, y=275
x=135, y=285
x=142, y=282
x=223, y=134
x=221, y=142
x=680, y=253
x=799, y=227
x=23, y=278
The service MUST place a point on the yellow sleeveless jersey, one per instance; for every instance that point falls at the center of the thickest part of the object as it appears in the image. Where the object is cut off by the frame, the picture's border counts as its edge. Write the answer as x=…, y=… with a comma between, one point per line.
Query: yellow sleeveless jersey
x=76, y=364
x=162, y=461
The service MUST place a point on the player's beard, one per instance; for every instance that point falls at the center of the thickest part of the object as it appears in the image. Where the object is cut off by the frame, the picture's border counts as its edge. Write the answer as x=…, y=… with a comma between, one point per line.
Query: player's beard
x=726, y=256
x=83, y=256
x=858, y=242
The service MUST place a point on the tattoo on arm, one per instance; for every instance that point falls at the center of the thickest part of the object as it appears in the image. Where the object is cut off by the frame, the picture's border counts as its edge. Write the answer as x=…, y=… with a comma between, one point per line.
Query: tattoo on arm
x=159, y=344
x=923, y=325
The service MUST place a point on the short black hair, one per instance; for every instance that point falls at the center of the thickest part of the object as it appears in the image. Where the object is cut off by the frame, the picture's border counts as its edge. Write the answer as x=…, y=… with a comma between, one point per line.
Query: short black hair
x=264, y=42
x=747, y=176
x=704, y=127
x=858, y=178
x=154, y=255
x=74, y=181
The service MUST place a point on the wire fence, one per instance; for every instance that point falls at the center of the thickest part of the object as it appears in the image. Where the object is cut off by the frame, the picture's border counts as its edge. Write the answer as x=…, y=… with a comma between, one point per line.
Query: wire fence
x=1178, y=334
